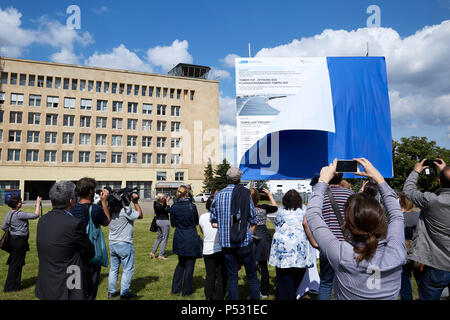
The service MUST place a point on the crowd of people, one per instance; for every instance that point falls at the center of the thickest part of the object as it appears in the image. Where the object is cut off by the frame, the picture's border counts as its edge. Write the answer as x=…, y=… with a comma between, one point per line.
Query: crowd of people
x=371, y=242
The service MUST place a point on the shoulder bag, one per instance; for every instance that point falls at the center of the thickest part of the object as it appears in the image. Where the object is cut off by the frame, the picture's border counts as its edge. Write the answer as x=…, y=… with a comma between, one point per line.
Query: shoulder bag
x=98, y=240
x=5, y=241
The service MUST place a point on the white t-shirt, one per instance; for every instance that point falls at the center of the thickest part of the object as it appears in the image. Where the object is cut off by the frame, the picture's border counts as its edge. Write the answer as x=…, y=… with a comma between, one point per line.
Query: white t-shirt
x=210, y=235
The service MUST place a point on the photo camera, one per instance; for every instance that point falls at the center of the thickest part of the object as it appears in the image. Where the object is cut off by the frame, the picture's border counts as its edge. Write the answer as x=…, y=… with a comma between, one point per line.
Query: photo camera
x=432, y=168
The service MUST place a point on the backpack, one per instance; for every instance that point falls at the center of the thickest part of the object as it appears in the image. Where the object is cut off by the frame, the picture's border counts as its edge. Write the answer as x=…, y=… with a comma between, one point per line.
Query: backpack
x=240, y=199
x=96, y=237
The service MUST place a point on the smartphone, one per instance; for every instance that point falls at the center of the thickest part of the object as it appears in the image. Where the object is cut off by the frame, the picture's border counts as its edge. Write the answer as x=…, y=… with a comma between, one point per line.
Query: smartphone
x=347, y=166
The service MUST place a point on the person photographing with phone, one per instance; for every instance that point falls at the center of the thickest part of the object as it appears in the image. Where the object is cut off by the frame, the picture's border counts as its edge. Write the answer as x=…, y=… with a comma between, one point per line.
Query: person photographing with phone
x=370, y=265
x=431, y=244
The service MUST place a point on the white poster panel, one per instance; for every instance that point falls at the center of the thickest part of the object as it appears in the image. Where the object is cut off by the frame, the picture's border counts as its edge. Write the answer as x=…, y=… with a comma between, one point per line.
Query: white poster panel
x=274, y=94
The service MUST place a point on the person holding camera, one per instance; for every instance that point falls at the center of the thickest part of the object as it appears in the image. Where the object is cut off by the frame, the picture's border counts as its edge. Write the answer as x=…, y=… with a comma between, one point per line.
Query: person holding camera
x=121, y=229
x=431, y=243
x=86, y=190
x=17, y=221
x=162, y=209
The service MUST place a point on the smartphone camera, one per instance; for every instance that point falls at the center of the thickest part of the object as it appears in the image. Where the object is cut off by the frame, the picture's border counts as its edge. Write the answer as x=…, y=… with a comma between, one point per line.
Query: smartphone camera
x=347, y=166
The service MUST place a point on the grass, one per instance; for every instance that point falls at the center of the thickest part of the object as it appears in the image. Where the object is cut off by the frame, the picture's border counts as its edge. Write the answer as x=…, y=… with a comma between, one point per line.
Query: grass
x=152, y=279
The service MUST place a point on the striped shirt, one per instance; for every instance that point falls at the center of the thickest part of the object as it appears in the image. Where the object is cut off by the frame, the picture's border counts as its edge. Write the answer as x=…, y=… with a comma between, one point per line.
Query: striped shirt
x=221, y=214
x=341, y=195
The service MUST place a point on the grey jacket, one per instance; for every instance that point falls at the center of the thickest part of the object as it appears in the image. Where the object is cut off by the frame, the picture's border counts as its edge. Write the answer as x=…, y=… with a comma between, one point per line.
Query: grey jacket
x=19, y=222
x=378, y=278
x=431, y=242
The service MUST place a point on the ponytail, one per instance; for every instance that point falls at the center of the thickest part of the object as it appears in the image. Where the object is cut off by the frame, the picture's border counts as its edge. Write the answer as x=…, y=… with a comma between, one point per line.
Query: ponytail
x=366, y=252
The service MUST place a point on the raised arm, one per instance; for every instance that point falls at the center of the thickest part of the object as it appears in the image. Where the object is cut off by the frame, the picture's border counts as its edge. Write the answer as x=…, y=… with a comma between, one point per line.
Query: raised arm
x=420, y=199
x=396, y=226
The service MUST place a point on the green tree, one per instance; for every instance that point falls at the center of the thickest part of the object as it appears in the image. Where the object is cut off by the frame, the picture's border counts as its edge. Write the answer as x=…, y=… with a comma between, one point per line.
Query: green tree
x=208, y=182
x=220, y=176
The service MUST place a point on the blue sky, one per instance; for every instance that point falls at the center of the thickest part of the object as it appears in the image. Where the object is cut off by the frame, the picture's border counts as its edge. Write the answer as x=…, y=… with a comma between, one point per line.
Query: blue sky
x=206, y=32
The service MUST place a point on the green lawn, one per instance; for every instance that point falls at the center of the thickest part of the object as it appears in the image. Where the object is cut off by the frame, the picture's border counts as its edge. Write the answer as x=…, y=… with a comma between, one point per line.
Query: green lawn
x=152, y=278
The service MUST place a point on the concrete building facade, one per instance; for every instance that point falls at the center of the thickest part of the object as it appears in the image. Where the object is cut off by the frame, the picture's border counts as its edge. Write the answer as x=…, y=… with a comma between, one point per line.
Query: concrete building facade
x=123, y=128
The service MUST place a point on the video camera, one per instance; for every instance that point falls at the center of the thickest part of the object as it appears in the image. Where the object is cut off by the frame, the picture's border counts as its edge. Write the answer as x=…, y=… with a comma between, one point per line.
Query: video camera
x=117, y=199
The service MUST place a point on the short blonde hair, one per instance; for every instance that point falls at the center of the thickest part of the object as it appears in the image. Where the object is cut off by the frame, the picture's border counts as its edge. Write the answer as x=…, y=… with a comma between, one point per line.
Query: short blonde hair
x=182, y=191
x=160, y=197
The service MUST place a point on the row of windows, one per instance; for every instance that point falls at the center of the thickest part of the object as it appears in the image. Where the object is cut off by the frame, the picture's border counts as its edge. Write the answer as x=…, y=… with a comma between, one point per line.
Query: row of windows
x=86, y=104
x=51, y=119
x=97, y=86
x=67, y=156
x=85, y=139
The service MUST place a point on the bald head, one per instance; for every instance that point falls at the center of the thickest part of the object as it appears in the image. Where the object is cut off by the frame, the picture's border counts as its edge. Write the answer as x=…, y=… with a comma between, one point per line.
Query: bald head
x=444, y=177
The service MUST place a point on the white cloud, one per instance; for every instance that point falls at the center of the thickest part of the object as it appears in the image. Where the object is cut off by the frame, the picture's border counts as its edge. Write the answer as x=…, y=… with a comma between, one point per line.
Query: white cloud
x=227, y=110
x=228, y=61
x=216, y=74
x=228, y=143
x=13, y=38
x=119, y=58
x=65, y=56
x=417, y=66
x=166, y=57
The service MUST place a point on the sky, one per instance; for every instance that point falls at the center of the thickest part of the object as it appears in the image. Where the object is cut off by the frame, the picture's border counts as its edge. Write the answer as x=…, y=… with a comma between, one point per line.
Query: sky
x=154, y=35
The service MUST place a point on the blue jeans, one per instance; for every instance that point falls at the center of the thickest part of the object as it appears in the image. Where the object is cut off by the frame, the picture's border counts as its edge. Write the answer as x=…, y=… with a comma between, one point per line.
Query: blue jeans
x=246, y=257
x=182, y=277
x=326, y=278
x=121, y=253
x=432, y=283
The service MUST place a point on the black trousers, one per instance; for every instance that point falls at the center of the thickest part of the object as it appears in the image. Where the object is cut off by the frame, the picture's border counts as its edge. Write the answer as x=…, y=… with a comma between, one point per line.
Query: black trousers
x=288, y=280
x=264, y=271
x=16, y=261
x=182, y=277
x=93, y=281
x=216, y=276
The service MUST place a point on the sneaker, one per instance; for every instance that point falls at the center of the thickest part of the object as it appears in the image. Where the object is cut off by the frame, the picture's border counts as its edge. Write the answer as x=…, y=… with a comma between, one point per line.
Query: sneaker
x=152, y=255
x=128, y=296
x=162, y=258
x=112, y=295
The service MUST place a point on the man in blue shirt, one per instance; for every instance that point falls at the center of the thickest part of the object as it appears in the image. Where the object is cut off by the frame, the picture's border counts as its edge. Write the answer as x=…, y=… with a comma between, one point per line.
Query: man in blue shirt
x=235, y=253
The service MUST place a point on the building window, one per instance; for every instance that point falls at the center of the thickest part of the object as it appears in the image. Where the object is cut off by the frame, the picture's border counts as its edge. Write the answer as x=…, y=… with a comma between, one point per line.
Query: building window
x=1, y=137
x=146, y=158
x=117, y=106
x=67, y=156
x=175, y=126
x=129, y=89
x=121, y=88
x=100, y=139
x=33, y=137
x=175, y=111
x=16, y=99
x=1, y=116
x=98, y=86
x=116, y=157
x=69, y=103
x=164, y=92
x=50, y=156
x=15, y=117
x=161, y=126
x=32, y=155
x=49, y=82
x=100, y=157
x=68, y=120
x=52, y=102
x=101, y=122
x=179, y=176
x=90, y=86
x=31, y=80
x=132, y=124
x=40, y=82
x=102, y=105
x=161, y=110
x=116, y=123
x=172, y=93
x=15, y=136
x=83, y=85
x=13, y=78
x=131, y=157
x=161, y=142
x=50, y=137
x=175, y=142
x=13, y=154
x=158, y=92
x=178, y=94
x=83, y=156
x=5, y=78
x=132, y=107
x=66, y=84
x=106, y=87
x=146, y=142
x=136, y=90
x=67, y=138
x=147, y=125
x=2, y=97
x=116, y=140
x=192, y=95
x=34, y=118
x=85, y=139
x=34, y=100
x=57, y=83
x=132, y=141
x=144, y=90
x=86, y=104
x=51, y=119
x=150, y=91
x=85, y=121
x=175, y=159
x=23, y=80
x=147, y=108
x=161, y=176
x=113, y=88
x=74, y=84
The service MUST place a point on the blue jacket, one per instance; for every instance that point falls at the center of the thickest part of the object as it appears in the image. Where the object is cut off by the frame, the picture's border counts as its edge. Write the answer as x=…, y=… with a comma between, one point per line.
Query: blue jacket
x=184, y=218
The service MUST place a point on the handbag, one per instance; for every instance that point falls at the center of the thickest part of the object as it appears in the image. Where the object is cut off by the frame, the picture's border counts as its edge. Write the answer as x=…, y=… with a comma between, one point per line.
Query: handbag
x=153, y=226
x=96, y=237
x=5, y=241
